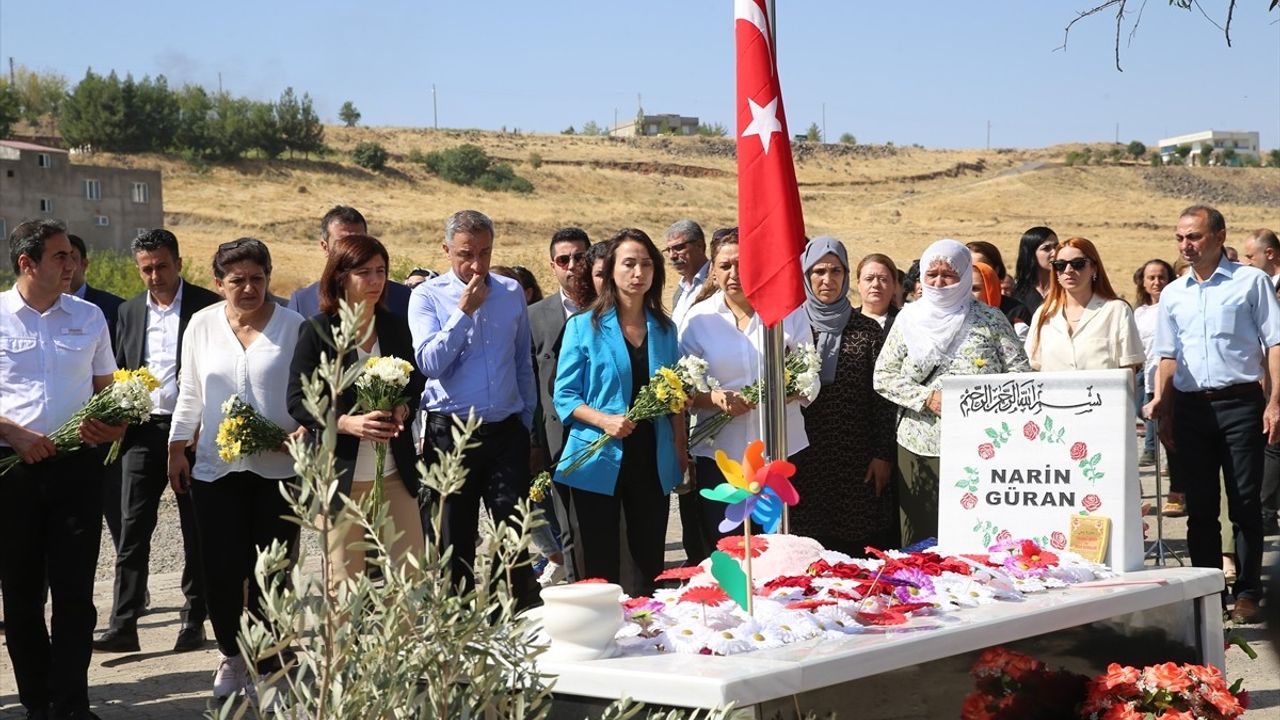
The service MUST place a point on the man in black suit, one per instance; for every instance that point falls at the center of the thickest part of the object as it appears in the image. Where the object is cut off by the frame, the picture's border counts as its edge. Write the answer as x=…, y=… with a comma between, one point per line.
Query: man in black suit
x=340, y=221
x=546, y=322
x=149, y=333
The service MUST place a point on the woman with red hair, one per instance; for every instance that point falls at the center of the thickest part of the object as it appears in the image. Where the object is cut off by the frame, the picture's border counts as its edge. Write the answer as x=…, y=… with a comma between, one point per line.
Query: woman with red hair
x=1082, y=324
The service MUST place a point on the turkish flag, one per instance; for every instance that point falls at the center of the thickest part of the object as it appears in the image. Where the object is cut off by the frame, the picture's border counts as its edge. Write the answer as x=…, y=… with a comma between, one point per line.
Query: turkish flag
x=770, y=224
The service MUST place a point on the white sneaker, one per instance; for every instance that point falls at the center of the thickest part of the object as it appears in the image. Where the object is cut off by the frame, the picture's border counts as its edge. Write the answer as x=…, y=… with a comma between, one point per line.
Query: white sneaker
x=231, y=676
x=552, y=574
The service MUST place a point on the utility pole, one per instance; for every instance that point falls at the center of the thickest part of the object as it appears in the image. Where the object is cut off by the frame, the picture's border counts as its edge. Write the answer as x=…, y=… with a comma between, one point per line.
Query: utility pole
x=824, y=122
x=13, y=82
x=988, y=134
x=435, y=116
x=1117, y=133
x=615, y=122
x=219, y=82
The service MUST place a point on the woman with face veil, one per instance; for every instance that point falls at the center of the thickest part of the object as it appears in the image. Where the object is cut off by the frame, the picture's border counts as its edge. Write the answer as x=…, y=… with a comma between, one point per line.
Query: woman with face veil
x=845, y=505
x=945, y=332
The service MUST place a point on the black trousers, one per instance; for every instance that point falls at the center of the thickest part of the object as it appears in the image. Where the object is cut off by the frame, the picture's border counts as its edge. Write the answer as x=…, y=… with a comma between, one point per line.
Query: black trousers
x=497, y=474
x=144, y=475
x=1222, y=436
x=638, y=498
x=237, y=515
x=111, y=501
x=51, y=528
x=712, y=512
x=1271, y=486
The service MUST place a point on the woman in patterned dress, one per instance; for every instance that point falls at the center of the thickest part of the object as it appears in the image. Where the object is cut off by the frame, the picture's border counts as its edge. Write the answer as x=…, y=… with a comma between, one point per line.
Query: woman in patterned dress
x=843, y=476
x=945, y=332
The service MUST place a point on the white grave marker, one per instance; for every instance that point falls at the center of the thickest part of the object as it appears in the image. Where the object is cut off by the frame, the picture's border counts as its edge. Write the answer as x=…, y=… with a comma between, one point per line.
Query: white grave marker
x=1023, y=452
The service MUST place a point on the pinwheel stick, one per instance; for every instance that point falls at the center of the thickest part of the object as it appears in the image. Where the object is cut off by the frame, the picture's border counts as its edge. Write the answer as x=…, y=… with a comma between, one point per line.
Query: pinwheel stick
x=751, y=586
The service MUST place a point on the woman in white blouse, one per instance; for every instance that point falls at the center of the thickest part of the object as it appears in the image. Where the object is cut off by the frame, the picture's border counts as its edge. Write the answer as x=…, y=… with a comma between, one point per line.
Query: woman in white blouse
x=1082, y=325
x=723, y=329
x=241, y=346
x=1150, y=281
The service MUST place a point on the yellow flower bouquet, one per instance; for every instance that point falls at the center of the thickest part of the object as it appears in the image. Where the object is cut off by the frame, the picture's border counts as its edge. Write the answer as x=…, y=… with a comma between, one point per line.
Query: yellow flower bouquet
x=244, y=431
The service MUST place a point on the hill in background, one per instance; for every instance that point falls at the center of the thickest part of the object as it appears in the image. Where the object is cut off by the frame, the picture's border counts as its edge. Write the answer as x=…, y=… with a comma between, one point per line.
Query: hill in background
x=886, y=199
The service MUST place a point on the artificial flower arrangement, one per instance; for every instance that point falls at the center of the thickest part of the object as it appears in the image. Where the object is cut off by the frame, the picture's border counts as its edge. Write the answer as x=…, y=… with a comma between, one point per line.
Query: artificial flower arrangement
x=1013, y=686
x=126, y=400
x=803, y=368
x=380, y=388
x=244, y=431
x=762, y=591
x=666, y=393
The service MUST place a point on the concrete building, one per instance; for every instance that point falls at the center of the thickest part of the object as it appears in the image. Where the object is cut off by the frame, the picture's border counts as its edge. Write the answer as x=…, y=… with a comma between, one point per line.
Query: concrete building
x=656, y=125
x=1245, y=144
x=106, y=206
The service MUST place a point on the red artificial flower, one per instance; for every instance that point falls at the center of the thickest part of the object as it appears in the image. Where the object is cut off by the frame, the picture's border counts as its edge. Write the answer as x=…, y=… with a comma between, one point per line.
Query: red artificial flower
x=1030, y=430
x=1172, y=714
x=975, y=707
x=1120, y=676
x=1079, y=450
x=889, y=617
x=589, y=581
x=733, y=546
x=841, y=595
x=1167, y=676
x=679, y=573
x=1122, y=712
x=986, y=451
x=704, y=595
x=809, y=604
x=1033, y=557
x=635, y=602
x=1222, y=700
x=803, y=582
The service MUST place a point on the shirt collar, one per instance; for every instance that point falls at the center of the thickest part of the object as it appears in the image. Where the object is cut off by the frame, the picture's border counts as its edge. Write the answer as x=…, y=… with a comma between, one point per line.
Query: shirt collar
x=570, y=307
x=80, y=291
x=698, y=277
x=11, y=301
x=177, y=299
x=1225, y=268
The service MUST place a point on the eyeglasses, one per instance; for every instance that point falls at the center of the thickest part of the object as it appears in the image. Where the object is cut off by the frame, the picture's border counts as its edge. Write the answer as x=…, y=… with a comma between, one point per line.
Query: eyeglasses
x=563, y=260
x=242, y=242
x=1077, y=264
x=678, y=247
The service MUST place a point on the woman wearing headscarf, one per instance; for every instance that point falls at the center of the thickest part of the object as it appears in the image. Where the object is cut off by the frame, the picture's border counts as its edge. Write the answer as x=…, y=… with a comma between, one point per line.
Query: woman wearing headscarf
x=846, y=505
x=943, y=333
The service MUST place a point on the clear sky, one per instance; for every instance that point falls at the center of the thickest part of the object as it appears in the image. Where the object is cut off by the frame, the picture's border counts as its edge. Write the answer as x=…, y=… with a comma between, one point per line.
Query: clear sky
x=932, y=73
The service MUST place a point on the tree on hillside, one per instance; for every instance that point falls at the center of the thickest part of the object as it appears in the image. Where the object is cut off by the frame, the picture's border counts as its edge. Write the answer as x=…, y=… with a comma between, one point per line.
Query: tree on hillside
x=289, y=117
x=848, y=139
x=311, y=139
x=712, y=130
x=40, y=94
x=348, y=114
x=1274, y=156
x=1136, y=149
x=150, y=115
x=1183, y=152
x=264, y=130
x=10, y=110
x=591, y=128
x=195, y=108
x=1206, y=153
x=814, y=133
x=92, y=113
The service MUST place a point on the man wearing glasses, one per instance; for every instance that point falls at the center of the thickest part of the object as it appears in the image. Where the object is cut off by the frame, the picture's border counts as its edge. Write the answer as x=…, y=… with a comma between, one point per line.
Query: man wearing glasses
x=686, y=249
x=1217, y=334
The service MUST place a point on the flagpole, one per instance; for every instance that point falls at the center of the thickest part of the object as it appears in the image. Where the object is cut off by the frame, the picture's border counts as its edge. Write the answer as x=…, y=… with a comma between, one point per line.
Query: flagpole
x=773, y=413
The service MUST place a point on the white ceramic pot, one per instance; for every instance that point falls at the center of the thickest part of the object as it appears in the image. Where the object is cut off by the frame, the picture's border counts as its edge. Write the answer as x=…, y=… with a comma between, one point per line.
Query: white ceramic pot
x=581, y=620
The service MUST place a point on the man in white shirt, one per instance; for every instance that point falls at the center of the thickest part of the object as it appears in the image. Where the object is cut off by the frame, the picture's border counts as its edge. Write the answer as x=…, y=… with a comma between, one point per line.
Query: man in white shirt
x=55, y=353
x=686, y=250
x=150, y=328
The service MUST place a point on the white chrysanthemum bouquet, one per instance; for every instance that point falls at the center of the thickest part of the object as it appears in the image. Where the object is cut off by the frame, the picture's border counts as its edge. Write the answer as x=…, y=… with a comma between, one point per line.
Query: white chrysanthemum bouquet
x=244, y=431
x=803, y=378
x=126, y=400
x=380, y=387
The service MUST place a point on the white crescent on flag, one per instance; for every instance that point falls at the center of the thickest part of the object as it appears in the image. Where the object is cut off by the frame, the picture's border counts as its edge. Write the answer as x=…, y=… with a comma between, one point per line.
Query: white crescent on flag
x=750, y=11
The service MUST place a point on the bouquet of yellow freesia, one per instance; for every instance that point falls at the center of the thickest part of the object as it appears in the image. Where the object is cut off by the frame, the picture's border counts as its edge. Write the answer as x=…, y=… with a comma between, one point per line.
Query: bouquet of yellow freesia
x=244, y=431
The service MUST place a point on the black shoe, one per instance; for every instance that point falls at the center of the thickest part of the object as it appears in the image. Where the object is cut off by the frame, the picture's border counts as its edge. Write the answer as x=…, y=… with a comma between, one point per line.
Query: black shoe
x=118, y=641
x=81, y=715
x=190, y=638
x=39, y=714
x=1268, y=529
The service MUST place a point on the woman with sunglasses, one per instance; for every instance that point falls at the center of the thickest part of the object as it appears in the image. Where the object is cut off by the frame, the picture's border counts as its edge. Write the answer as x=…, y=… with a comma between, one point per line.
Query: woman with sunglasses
x=242, y=346
x=1082, y=324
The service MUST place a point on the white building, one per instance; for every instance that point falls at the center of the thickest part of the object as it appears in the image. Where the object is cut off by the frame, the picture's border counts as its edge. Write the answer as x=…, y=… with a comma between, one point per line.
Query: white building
x=1245, y=144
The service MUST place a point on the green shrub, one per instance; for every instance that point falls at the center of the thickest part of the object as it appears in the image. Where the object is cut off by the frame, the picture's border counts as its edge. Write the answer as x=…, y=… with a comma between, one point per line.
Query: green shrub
x=370, y=155
x=468, y=164
x=115, y=272
x=535, y=160
x=1156, y=160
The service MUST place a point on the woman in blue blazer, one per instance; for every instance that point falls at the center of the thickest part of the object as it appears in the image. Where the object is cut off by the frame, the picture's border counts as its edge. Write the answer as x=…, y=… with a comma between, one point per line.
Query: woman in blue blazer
x=608, y=354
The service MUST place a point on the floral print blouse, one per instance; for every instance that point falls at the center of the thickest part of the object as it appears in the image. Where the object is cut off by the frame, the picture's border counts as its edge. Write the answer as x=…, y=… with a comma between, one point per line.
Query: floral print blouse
x=989, y=347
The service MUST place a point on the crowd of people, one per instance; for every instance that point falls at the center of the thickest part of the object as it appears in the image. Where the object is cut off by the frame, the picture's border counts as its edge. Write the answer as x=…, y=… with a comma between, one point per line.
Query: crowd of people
x=551, y=374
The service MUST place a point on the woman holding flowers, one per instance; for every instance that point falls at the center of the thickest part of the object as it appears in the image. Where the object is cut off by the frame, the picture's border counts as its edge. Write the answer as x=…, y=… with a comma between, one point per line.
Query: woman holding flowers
x=945, y=332
x=847, y=505
x=608, y=355
x=356, y=272
x=722, y=328
x=240, y=347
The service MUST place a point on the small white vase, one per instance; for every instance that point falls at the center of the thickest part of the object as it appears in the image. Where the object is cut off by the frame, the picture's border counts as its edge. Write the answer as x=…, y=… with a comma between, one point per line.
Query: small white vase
x=581, y=620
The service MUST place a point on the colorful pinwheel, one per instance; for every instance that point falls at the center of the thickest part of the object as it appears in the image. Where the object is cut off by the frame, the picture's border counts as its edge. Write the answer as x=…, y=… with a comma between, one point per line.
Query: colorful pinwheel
x=754, y=489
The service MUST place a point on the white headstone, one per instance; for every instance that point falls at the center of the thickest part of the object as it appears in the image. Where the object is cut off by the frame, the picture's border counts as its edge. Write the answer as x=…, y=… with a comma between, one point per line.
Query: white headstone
x=1021, y=453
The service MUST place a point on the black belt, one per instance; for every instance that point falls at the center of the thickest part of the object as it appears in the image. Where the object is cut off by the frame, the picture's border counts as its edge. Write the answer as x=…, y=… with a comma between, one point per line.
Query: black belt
x=1229, y=392
x=161, y=420
x=445, y=422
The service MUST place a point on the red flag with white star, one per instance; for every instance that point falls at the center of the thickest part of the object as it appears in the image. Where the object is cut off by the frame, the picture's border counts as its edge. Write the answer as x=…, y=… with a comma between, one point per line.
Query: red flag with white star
x=770, y=223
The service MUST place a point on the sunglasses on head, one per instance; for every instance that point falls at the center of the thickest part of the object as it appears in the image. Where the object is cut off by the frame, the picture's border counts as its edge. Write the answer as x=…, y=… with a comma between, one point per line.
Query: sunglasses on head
x=1060, y=266
x=563, y=260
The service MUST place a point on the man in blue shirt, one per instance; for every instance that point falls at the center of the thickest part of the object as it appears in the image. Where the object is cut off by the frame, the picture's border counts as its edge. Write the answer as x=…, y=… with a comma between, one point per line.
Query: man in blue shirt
x=339, y=222
x=471, y=340
x=1218, y=336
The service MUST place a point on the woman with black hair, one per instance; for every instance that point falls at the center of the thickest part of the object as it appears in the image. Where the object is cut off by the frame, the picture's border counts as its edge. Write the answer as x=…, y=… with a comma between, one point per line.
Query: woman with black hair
x=608, y=354
x=1032, y=274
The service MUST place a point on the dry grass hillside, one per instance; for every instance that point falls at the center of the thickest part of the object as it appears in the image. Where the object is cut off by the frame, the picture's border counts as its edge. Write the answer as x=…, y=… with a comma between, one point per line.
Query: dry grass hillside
x=892, y=200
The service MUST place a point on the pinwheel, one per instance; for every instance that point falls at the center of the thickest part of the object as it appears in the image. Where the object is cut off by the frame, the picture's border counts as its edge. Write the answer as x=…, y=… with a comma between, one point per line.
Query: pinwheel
x=753, y=489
